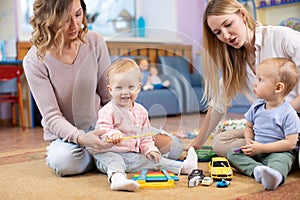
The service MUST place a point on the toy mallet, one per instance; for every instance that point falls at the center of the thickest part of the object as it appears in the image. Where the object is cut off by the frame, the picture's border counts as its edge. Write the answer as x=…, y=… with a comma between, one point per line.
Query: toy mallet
x=134, y=136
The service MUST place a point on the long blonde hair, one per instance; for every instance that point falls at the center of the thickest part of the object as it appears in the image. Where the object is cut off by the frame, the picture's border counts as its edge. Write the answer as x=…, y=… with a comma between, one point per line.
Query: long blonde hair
x=220, y=56
x=47, y=21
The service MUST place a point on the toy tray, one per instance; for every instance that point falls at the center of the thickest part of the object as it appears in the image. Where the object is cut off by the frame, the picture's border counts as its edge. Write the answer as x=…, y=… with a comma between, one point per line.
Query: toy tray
x=205, y=154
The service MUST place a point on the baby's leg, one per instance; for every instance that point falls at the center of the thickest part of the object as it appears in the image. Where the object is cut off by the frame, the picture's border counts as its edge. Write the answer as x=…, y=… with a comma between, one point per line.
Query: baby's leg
x=119, y=181
x=114, y=165
x=191, y=161
x=178, y=167
x=137, y=162
x=270, y=178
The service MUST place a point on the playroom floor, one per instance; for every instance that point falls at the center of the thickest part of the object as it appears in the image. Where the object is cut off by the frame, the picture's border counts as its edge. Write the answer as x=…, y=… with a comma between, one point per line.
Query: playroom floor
x=35, y=181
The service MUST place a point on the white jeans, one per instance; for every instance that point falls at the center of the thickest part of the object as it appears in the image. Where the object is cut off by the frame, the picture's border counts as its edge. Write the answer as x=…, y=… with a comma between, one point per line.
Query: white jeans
x=66, y=158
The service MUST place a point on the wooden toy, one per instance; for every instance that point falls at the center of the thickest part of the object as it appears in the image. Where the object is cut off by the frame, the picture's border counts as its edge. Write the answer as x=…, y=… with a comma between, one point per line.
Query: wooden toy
x=133, y=137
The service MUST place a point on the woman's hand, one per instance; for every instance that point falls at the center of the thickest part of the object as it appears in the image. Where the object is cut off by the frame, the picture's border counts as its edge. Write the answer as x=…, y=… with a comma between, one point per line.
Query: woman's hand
x=154, y=156
x=93, y=141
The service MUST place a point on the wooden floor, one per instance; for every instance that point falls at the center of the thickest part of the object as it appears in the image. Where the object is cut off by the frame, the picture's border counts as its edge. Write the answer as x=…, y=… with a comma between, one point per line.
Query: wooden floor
x=14, y=138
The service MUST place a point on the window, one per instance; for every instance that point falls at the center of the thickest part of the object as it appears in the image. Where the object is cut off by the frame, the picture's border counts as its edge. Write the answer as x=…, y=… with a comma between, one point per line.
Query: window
x=107, y=17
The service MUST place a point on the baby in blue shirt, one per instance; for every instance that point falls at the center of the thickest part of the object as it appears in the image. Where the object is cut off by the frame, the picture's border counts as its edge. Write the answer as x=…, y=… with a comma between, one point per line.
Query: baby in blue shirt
x=272, y=126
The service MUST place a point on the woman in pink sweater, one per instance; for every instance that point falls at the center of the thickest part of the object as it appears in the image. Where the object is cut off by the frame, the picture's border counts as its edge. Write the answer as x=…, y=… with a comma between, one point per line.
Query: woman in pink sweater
x=66, y=70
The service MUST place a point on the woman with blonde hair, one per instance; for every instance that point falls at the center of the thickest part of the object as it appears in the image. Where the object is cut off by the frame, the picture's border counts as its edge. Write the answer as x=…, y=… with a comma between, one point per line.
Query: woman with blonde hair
x=233, y=45
x=66, y=70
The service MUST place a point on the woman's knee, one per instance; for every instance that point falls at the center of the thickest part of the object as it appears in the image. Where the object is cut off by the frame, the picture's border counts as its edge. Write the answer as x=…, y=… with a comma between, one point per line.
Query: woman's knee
x=67, y=158
x=224, y=141
x=169, y=145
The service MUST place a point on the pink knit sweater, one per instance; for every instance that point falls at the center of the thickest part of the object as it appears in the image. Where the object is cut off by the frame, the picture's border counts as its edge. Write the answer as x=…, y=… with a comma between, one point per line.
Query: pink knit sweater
x=128, y=122
x=69, y=96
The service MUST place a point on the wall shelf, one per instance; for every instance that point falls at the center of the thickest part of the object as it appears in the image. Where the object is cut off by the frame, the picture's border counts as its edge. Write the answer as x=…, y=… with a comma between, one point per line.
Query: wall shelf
x=275, y=14
x=276, y=5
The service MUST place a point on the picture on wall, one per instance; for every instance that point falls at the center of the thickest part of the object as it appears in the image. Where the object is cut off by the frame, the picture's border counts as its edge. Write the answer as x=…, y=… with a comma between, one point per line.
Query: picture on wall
x=112, y=17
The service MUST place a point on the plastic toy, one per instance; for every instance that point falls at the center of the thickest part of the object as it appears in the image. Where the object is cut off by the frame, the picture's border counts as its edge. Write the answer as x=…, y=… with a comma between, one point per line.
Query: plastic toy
x=155, y=179
x=207, y=181
x=219, y=168
x=194, y=181
x=195, y=177
x=239, y=150
x=205, y=154
x=222, y=183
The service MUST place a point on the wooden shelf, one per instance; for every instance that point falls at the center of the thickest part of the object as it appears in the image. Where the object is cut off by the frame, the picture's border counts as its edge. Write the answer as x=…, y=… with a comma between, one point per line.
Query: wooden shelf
x=275, y=14
x=276, y=5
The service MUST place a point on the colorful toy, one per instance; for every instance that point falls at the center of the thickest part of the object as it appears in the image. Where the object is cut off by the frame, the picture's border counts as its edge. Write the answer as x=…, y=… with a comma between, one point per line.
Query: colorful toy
x=194, y=181
x=155, y=179
x=195, y=177
x=219, y=168
x=205, y=154
x=222, y=183
x=207, y=181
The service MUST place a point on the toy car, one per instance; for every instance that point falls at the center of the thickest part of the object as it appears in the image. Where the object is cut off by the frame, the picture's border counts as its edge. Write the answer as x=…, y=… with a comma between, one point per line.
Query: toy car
x=219, y=168
x=222, y=183
x=195, y=177
x=207, y=181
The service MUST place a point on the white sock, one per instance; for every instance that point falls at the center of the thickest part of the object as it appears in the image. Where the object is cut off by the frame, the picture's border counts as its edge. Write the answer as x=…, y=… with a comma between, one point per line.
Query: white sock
x=120, y=182
x=191, y=161
x=257, y=172
x=270, y=178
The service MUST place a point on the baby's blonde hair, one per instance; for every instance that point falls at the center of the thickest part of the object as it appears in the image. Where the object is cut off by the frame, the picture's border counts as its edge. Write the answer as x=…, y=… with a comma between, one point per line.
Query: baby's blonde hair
x=121, y=66
x=288, y=72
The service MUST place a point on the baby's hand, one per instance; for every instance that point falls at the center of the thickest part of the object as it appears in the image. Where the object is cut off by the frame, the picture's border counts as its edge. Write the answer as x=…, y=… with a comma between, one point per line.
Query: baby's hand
x=252, y=149
x=154, y=156
x=115, y=138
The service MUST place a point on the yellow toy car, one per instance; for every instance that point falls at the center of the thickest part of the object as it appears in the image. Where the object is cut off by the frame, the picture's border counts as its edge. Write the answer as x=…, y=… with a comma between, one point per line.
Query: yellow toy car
x=219, y=168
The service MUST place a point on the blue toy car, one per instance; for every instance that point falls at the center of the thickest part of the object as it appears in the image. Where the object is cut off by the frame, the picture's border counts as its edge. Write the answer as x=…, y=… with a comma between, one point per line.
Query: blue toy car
x=222, y=183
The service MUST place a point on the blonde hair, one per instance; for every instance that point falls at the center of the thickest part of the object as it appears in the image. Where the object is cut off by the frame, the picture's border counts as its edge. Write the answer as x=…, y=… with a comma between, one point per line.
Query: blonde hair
x=220, y=56
x=288, y=72
x=47, y=21
x=122, y=66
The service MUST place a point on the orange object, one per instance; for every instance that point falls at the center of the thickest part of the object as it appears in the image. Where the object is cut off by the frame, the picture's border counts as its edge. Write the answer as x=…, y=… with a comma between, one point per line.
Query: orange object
x=7, y=73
